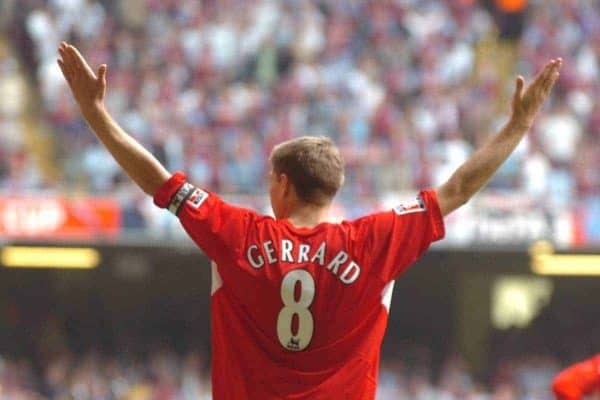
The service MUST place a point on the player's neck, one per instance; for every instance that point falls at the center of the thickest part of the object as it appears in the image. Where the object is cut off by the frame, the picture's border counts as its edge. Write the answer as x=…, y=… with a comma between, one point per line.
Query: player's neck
x=308, y=216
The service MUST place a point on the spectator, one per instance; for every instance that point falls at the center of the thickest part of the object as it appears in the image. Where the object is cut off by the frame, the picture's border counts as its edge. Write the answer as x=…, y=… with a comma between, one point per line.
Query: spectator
x=406, y=88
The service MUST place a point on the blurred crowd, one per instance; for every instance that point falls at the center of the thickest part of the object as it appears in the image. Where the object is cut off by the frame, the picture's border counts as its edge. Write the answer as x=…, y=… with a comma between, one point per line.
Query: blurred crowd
x=163, y=375
x=407, y=88
x=18, y=169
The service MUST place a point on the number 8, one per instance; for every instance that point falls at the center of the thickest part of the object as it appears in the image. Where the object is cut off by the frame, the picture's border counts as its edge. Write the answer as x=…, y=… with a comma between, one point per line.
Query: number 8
x=302, y=338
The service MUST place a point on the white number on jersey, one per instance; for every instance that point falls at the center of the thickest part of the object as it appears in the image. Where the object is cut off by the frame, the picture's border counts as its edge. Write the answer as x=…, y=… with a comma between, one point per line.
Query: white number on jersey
x=300, y=340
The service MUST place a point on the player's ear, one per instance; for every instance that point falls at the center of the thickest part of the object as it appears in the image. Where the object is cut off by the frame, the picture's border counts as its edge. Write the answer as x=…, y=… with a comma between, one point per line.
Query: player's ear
x=286, y=184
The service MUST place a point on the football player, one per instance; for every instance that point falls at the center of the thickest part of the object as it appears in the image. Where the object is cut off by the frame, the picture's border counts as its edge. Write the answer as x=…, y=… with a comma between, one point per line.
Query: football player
x=578, y=380
x=299, y=305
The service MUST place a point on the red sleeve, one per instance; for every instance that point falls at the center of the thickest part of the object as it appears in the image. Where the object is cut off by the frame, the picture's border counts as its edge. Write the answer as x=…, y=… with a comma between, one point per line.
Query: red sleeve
x=217, y=227
x=397, y=238
x=578, y=380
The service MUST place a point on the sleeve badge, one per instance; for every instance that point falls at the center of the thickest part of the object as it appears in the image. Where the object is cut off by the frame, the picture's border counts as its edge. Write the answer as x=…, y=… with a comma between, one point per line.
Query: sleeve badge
x=409, y=207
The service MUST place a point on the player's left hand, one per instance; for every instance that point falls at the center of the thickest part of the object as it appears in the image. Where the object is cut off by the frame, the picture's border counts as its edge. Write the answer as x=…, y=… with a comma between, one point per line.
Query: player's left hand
x=88, y=88
x=526, y=104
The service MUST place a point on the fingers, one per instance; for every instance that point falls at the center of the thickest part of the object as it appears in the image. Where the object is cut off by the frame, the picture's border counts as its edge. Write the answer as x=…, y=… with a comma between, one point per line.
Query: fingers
x=68, y=59
x=62, y=67
x=549, y=73
x=519, y=88
x=527, y=101
x=87, y=89
x=552, y=75
x=67, y=63
x=64, y=63
x=79, y=61
x=102, y=75
x=544, y=81
x=73, y=62
x=540, y=78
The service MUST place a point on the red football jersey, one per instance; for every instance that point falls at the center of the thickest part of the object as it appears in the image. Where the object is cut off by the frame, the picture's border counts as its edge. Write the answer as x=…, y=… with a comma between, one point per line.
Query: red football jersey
x=299, y=313
x=578, y=380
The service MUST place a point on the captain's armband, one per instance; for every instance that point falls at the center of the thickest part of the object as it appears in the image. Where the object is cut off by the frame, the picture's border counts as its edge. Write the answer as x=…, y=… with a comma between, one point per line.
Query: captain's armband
x=187, y=193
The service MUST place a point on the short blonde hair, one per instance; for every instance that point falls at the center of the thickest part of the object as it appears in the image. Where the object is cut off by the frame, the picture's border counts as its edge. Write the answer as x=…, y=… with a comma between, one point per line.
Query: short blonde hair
x=313, y=164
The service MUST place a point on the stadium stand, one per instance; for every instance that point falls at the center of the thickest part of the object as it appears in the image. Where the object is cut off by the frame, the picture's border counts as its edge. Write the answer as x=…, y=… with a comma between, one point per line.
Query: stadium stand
x=18, y=172
x=165, y=375
x=406, y=88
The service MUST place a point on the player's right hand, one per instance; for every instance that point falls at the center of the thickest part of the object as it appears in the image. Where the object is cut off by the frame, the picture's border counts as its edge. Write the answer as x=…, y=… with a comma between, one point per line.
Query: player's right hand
x=526, y=103
x=88, y=88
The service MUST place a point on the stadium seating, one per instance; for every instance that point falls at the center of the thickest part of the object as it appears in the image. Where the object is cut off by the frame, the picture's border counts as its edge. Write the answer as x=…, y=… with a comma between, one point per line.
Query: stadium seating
x=403, y=87
x=406, y=88
x=165, y=375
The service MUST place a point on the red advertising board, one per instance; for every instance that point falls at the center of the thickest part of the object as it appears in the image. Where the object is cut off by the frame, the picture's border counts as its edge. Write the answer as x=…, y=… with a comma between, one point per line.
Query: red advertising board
x=54, y=217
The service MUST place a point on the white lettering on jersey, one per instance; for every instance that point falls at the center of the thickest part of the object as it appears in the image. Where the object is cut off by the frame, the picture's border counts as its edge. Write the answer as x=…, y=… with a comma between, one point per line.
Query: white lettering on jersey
x=351, y=273
x=268, y=245
x=339, y=259
x=346, y=269
x=286, y=250
x=303, y=251
x=320, y=255
x=257, y=262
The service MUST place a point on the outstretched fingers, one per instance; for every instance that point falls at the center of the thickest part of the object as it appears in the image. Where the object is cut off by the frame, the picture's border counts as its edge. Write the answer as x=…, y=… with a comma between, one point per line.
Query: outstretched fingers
x=539, y=90
x=79, y=61
x=69, y=65
x=64, y=61
x=102, y=75
x=528, y=100
x=63, y=69
x=552, y=75
x=520, y=82
x=547, y=76
x=541, y=77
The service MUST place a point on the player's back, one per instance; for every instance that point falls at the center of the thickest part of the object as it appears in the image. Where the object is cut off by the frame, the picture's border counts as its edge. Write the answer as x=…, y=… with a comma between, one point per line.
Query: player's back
x=300, y=313
x=298, y=317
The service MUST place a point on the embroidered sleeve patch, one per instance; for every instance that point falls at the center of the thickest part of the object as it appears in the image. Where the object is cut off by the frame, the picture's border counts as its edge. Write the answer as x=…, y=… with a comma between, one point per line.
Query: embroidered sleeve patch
x=416, y=205
x=197, y=198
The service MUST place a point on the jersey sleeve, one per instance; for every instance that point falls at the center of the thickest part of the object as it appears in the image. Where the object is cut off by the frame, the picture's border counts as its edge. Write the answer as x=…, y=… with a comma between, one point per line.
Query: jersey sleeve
x=578, y=380
x=395, y=239
x=216, y=226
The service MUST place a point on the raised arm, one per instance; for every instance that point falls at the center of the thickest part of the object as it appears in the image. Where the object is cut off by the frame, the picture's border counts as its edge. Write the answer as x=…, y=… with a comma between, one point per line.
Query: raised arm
x=481, y=166
x=89, y=91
